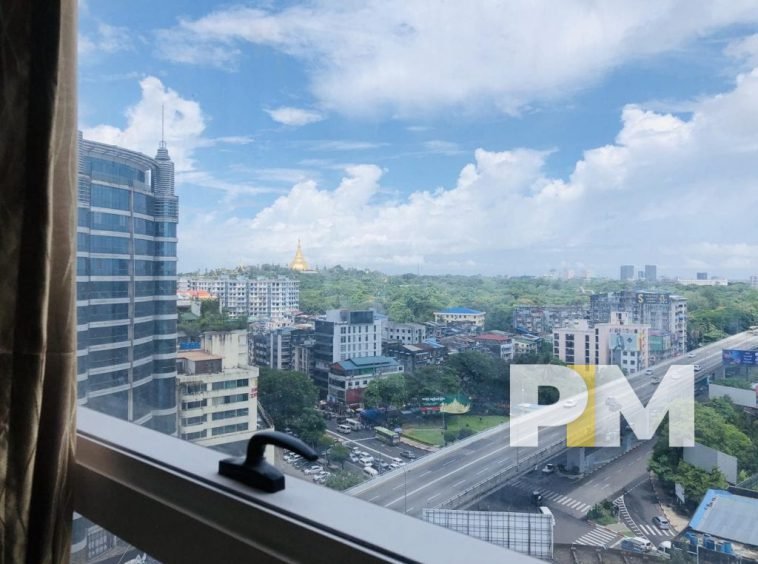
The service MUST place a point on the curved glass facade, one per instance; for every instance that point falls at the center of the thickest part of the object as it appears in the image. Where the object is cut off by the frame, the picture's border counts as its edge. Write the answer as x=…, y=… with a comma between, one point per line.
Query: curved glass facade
x=126, y=284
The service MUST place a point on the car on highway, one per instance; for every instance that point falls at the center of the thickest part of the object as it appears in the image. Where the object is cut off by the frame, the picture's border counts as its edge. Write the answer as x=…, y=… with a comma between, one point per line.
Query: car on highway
x=697, y=367
x=548, y=468
x=613, y=404
x=407, y=454
x=690, y=355
x=649, y=371
x=661, y=522
x=569, y=403
x=536, y=497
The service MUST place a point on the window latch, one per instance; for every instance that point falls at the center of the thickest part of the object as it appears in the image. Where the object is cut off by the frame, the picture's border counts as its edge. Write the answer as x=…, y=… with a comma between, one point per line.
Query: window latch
x=254, y=470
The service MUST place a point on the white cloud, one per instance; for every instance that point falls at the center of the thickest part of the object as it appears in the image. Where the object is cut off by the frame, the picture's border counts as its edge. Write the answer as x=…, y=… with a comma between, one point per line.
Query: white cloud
x=294, y=116
x=744, y=49
x=407, y=57
x=106, y=39
x=672, y=191
x=185, y=123
x=442, y=147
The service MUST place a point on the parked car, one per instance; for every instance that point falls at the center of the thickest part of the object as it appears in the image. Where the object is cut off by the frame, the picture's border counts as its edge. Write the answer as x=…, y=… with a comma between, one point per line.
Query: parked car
x=661, y=522
x=407, y=454
x=315, y=469
x=398, y=460
x=366, y=460
x=548, y=468
x=354, y=458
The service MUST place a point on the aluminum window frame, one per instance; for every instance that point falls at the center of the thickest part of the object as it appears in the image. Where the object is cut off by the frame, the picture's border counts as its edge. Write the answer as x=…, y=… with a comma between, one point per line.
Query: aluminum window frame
x=164, y=496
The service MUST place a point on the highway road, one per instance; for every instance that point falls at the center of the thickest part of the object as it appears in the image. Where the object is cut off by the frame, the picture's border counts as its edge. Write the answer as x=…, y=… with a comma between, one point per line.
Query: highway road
x=441, y=475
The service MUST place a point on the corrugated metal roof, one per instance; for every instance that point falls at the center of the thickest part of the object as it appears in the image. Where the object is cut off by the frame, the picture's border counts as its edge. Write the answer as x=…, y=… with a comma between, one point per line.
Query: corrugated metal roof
x=727, y=516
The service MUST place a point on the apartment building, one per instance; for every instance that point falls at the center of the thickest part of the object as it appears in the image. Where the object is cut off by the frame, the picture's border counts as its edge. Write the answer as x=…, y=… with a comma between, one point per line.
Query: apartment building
x=275, y=298
x=406, y=333
x=349, y=378
x=541, y=320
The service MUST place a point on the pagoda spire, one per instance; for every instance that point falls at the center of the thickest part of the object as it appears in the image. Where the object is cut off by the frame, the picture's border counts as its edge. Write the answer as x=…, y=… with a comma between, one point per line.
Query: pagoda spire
x=299, y=263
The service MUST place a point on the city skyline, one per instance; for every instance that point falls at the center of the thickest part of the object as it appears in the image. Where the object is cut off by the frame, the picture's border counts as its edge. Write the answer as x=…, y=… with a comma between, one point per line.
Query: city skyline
x=607, y=150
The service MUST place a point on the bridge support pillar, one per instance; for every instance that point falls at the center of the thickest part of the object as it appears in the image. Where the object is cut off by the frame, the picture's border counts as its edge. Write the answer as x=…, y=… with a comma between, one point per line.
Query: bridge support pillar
x=576, y=459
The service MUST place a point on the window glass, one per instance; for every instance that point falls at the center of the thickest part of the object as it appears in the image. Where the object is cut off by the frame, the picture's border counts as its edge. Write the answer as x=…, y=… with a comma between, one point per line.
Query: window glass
x=108, y=197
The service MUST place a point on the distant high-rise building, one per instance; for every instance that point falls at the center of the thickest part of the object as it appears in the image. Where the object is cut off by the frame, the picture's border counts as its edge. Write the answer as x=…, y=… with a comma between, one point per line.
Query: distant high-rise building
x=651, y=273
x=627, y=272
x=701, y=276
x=754, y=281
x=126, y=284
x=665, y=313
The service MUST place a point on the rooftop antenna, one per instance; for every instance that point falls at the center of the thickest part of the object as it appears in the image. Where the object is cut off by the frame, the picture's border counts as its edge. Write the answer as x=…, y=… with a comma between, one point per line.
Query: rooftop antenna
x=163, y=128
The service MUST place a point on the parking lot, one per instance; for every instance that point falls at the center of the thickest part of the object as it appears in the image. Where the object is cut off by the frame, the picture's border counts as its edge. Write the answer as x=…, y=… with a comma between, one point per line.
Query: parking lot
x=366, y=451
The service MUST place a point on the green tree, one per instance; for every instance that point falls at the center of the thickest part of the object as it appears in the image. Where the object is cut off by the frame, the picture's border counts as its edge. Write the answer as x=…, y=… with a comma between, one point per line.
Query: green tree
x=385, y=392
x=286, y=395
x=339, y=454
x=465, y=432
x=343, y=480
x=310, y=426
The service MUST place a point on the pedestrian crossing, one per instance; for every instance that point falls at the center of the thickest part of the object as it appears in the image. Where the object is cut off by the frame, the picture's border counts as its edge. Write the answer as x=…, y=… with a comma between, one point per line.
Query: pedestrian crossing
x=597, y=537
x=556, y=498
x=653, y=531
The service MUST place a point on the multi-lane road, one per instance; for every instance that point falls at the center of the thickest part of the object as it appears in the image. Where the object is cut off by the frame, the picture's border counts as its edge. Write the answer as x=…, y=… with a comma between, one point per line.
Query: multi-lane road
x=442, y=475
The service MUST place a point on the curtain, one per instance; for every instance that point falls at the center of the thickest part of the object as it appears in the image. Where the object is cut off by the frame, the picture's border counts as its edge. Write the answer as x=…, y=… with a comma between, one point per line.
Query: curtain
x=38, y=168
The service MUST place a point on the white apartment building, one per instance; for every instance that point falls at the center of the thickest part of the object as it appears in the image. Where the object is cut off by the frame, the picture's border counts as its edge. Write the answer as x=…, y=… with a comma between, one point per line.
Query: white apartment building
x=460, y=315
x=619, y=342
x=276, y=298
x=406, y=333
x=217, y=392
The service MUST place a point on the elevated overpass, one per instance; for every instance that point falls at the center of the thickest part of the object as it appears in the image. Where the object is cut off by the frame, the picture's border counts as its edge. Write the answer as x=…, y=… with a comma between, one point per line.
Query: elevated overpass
x=464, y=468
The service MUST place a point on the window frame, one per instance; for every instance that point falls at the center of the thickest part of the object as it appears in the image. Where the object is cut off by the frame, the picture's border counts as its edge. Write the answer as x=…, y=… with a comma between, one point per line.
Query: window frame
x=173, y=504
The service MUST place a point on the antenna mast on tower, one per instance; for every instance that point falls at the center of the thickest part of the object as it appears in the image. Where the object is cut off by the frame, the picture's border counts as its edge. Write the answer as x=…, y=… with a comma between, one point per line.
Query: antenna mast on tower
x=163, y=128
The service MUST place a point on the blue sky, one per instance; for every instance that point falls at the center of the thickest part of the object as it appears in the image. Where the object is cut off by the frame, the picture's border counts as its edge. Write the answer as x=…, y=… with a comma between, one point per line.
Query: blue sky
x=493, y=138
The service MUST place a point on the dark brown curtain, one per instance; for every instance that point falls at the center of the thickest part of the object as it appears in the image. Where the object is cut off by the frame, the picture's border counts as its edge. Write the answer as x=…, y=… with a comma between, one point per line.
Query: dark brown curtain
x=37, y=275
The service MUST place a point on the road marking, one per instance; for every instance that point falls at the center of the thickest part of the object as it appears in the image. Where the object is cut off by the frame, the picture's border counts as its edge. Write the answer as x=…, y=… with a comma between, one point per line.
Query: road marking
x=481, y=471
x=435, y=495
x=375, y=497
x=398, y=487
x=410, y=509
x=562, y=498
x=425, y=473
x=455, y=485
x=451, y=473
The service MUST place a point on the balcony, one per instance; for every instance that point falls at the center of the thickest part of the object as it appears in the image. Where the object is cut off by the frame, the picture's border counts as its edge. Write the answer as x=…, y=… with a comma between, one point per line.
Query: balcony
x=195, y=515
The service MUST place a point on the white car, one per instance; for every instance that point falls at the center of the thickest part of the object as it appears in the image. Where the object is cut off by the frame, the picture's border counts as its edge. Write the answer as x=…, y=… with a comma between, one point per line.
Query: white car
x=690, y=355
x=697, y=367
x=366, y=460
x=649, y=371
x=569, y=403
x=548, y=468
x=315, y=469
x=397, y=460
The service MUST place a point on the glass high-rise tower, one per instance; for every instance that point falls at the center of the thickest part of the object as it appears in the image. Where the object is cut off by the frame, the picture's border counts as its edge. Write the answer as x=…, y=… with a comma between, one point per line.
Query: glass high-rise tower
x=126, y=284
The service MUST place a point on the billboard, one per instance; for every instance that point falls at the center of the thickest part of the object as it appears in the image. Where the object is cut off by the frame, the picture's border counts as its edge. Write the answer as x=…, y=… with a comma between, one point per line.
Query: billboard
x=737, y=356
x=454, y=405
x=652, y=298
x=624, y=341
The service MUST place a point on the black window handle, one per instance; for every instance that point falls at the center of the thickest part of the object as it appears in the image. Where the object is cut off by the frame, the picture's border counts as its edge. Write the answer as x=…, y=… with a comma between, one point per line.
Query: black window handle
x=254, y=471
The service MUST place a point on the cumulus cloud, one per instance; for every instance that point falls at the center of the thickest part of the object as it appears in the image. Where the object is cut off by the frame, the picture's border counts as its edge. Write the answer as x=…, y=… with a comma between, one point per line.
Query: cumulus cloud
x=408, y=57
x=675, y=191
x=185, y=123
x=294, y=116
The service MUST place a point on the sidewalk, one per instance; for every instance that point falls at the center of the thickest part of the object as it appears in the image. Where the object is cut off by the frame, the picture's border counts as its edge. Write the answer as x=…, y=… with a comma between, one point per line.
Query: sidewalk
x=678, y=521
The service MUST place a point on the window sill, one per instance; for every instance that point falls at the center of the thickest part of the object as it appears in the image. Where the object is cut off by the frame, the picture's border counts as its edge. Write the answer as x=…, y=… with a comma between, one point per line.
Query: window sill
x=165, y=496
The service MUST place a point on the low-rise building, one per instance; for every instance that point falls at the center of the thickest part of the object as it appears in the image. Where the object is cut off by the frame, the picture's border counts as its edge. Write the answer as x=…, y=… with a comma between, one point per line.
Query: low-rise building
x=541, y=320
x=406, y=333
x=525, y=344
x=415, y=356
x=216, y=404
x=498, y=343
x=349, y=378
x=460, y=316
x=276, y=348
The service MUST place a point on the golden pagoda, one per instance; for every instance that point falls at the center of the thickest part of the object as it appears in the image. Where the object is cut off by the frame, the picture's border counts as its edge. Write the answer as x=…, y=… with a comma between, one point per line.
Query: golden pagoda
x=298, y=263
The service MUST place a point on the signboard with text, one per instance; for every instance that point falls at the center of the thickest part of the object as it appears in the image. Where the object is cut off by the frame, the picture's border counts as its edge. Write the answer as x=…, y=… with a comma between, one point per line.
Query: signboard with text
x=737, y=356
